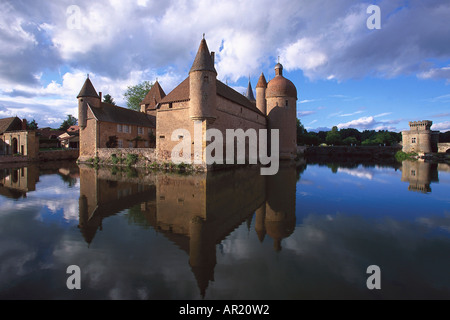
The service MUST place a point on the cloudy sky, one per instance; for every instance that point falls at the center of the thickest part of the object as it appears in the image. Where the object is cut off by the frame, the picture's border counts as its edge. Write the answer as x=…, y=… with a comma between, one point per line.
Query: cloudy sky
x=346, y=74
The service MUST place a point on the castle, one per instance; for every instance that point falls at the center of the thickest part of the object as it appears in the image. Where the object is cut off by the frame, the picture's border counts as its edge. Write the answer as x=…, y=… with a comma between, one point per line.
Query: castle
x=420, y=138
x=199, y=103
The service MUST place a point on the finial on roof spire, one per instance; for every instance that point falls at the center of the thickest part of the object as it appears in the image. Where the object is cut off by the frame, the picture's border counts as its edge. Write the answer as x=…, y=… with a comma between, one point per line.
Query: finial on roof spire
x=88, y=75
x=203, y=36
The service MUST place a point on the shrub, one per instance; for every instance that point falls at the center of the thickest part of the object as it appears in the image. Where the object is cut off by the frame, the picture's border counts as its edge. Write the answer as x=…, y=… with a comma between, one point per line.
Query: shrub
x=114, y=159
x=131, y=159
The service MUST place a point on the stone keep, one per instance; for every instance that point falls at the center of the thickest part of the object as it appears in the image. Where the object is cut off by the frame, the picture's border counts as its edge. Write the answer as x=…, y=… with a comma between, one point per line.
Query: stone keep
x=420, y=138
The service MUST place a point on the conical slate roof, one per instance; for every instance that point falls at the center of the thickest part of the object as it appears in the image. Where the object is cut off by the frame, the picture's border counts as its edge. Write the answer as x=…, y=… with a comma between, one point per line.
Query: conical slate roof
x=88, y=90
x=249, y=93
x=203, y=60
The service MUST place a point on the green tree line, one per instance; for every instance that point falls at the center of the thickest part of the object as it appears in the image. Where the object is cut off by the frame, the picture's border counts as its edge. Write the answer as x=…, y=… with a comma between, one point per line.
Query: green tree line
x=346, y=137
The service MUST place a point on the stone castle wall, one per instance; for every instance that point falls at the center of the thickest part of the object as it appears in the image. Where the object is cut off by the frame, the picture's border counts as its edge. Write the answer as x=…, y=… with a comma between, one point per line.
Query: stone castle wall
x=443, y=147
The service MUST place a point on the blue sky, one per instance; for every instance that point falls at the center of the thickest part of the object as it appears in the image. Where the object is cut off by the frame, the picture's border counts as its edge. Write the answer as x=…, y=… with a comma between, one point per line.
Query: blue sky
x=346, y=74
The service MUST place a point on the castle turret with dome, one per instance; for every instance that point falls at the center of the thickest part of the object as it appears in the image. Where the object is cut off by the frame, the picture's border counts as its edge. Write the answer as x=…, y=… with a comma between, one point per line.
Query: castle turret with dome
x=281, y=99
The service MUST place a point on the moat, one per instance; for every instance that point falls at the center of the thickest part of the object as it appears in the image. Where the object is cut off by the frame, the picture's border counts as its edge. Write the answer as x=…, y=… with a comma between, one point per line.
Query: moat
x=309, y=232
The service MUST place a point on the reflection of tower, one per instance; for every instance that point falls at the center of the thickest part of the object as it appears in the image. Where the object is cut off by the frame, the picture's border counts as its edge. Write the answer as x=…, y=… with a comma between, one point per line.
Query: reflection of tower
x=419, y=174
x=197, y=212
x=202, y=253
x=277, y=218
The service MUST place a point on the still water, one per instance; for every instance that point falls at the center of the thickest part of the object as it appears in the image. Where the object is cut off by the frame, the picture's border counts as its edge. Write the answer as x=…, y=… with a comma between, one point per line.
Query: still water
x=310, y=232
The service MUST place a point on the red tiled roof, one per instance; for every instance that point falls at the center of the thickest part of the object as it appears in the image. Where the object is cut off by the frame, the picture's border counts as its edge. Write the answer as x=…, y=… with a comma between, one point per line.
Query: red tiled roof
x=181, y=93
x=154, y=96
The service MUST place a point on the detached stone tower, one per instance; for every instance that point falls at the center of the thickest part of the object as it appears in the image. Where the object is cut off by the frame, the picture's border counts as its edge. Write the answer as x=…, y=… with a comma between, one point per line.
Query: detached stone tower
x=281, y=99
x=420, y=138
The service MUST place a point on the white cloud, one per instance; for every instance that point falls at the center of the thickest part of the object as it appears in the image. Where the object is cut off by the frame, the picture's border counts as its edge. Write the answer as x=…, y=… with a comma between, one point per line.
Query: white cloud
x=363, y=123
x=442, y=126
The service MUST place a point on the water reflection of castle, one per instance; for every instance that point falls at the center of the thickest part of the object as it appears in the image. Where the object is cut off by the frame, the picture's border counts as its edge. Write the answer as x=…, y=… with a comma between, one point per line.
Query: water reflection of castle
x=421, y=174
x=16, y=182
x=196, y=212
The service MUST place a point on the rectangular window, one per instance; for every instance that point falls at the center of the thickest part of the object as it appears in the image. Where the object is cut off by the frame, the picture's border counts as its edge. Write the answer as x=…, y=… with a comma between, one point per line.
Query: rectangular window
x=130, y=144
x=125, y=129
x=413, y=140
x=120, y=143
x=119, y=128
x=140, y=130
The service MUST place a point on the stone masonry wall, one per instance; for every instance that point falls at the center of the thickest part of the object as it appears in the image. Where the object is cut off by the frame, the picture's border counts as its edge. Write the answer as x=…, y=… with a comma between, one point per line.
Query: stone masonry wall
x=443, y=147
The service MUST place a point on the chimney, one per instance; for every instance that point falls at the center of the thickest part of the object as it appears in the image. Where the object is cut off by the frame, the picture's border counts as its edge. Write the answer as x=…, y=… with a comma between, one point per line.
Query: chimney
x=24, y=124
x=100, y=94
x=212, y=57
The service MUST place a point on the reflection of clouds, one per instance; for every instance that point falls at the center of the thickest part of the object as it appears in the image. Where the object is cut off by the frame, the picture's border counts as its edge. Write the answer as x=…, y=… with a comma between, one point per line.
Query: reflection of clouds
x=359, y=173
x=50, y=194
x=435, y=222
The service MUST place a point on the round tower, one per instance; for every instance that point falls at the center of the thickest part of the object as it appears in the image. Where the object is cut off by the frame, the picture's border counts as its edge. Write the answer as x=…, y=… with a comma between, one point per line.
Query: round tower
x=87, y=95
x=202, y=85
x=281, y=97
x=261, y=94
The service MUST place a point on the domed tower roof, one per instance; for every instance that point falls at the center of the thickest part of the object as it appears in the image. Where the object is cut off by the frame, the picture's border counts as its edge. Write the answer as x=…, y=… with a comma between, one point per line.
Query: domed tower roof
x=280, y=86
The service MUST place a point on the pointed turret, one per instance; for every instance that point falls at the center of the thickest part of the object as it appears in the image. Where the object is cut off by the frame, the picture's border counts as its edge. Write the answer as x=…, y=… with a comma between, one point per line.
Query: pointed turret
x=249, y=93
x=203, y=60
x=202, y=85
x=87, y=95
x=88, y=90
x=261, y=86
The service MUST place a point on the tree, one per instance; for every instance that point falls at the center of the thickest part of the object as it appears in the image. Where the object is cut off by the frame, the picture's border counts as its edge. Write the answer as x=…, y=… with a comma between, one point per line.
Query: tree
x=70, y=121
x=108, y=99
x=32, y=125
x=135, y=94
x=333, y=137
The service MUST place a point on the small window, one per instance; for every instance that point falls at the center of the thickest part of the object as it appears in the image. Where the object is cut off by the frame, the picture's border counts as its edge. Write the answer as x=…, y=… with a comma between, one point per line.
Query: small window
x=120, y=143
x=126, y=129
x=140, y=130
x=413, y=173
x=119, y=128
x=413, y=140
x=170, y=105
x=130, y=144
x=162, y=137
x=287, y=103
